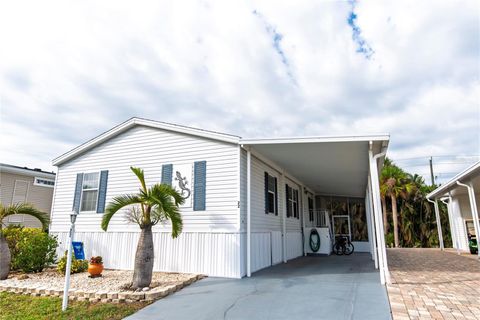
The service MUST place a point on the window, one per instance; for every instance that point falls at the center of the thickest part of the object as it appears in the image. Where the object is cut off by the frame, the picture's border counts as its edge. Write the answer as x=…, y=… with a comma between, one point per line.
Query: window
x=292, y=202
x=270, y=194
x=44, y=182
x=89, y=192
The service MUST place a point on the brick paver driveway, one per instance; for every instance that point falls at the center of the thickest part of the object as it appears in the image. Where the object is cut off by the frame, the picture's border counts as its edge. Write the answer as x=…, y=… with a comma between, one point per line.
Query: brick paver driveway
x=431, y=284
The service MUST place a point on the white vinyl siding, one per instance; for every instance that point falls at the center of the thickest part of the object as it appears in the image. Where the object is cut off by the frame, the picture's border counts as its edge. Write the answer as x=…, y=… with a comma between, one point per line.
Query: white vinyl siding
x=149, y=149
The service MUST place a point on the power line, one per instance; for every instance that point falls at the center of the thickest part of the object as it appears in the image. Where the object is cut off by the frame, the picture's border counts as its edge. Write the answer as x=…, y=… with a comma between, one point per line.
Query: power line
x=442, y=156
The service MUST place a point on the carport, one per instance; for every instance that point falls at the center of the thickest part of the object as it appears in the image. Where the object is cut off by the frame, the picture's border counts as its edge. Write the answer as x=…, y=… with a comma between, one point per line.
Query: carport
x=461, y=195
x=349, y=290
x=332, y=169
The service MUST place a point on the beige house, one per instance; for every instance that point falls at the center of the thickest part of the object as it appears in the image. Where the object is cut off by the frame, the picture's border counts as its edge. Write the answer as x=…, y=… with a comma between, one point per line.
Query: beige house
x=34, y=186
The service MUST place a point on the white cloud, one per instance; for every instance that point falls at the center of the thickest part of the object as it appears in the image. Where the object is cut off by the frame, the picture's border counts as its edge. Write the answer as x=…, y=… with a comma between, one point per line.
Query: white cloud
x=71, y=70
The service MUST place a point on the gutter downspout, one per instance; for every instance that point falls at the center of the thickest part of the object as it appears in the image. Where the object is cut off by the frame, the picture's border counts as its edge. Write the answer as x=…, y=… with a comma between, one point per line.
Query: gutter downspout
x=249, y=214
x=439, y=226
x=452, y=233
x=473, y=205
x=381, y=247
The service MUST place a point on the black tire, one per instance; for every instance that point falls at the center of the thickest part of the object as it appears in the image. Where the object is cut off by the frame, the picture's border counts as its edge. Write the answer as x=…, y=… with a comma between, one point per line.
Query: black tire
x=338, y=249
x=349, y=248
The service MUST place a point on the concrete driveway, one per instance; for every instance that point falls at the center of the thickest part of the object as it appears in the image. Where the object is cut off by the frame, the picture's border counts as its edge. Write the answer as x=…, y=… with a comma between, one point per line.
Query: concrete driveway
x=335, y=287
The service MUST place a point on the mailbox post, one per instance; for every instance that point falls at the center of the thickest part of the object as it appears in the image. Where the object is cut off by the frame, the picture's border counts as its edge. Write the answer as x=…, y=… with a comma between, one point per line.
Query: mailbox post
x=73, y=217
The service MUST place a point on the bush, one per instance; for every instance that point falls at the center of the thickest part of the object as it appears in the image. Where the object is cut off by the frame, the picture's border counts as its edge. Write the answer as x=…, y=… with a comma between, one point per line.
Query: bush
x=390, y=240
x=76, y=267
x=31, y=249
x=13, y=234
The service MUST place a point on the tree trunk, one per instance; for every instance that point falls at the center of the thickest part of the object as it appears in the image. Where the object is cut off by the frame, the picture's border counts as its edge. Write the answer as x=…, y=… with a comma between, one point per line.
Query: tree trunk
x=395, y=220
x=385, y=218
x=142, y=273
x=5, y=257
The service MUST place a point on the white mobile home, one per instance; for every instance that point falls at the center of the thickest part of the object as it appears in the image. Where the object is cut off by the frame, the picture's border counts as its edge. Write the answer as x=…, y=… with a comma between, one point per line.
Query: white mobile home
x=251, y=203
x=461, y=194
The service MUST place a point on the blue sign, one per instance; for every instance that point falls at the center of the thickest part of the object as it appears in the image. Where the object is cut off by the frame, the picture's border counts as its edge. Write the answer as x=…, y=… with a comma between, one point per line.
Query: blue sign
x=78, y=250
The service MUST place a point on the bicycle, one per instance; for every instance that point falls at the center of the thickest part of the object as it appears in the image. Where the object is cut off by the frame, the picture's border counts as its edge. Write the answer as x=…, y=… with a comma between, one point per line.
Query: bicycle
x=343, y=246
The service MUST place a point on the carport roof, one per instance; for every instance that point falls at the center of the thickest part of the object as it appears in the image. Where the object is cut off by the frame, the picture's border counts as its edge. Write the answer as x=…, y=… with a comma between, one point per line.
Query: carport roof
x=326, y=165
x=471, y=174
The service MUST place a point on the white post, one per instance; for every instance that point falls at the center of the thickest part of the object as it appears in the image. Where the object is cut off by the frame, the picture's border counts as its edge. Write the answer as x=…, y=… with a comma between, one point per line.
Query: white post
x=377, y=208
x=249, y=213
x=450, y=222
x=284, y=220
x=304, y=205
x=69, y=263
x=439, y=226
x=370, y=222
x=473, y=206
x=453, y=222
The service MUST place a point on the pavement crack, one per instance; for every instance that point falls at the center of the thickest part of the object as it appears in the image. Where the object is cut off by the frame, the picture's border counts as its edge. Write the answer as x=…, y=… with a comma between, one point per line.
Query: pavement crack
x=231, y=306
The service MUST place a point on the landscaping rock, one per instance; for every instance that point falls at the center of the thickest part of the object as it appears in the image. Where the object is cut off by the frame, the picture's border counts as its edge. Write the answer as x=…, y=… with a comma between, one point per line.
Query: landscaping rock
x=112, y=287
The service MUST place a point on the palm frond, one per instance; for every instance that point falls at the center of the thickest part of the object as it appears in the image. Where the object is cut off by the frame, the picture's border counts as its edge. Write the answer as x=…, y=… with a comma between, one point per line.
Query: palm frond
x=24, y=208
x=141, y=176
x=116, y=204
x=165, y=201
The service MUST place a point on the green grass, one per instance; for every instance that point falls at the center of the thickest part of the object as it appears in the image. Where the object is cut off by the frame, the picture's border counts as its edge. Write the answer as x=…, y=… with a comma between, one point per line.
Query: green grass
x=16, y=306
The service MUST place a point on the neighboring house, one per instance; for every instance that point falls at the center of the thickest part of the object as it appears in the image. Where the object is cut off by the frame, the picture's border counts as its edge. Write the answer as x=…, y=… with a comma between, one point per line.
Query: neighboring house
x=461, y=194
x=21, y=184
x=250, y=203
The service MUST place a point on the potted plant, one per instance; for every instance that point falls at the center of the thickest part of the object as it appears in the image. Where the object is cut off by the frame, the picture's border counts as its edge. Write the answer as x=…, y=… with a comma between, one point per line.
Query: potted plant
x=95, y=267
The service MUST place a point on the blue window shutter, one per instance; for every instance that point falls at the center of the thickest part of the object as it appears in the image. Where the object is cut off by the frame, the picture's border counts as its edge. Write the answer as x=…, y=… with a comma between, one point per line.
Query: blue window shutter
x=199, y=185
x=276, y=198
x=266, y=192
x=78, y=193
x=167, y=170
x=102, y=191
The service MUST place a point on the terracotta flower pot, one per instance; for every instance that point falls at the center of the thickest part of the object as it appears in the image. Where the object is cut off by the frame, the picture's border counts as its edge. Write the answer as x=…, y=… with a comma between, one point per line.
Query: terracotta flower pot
x=95, y=269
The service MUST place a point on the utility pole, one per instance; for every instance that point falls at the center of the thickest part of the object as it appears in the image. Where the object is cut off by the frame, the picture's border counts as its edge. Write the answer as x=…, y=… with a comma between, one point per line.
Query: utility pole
x=431, y=171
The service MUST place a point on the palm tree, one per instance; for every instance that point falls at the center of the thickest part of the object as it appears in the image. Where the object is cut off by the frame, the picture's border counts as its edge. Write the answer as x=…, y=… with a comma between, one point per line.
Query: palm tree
x=5, y=211
x=384, y=193
x=395, y=185
x=149, y=206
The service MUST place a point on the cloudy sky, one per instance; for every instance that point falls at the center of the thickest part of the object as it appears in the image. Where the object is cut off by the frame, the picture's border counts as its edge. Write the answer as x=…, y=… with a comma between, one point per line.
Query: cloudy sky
x=71, y=70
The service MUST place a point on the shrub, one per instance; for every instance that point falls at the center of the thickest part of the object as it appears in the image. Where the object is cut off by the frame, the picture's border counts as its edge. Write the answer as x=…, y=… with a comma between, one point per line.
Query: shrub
x=76, y=267
x=13, y=234
x=31, y=249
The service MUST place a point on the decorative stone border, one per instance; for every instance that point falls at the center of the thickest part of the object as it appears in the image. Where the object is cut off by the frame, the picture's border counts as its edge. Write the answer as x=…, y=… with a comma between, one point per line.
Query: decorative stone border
x=100, y=296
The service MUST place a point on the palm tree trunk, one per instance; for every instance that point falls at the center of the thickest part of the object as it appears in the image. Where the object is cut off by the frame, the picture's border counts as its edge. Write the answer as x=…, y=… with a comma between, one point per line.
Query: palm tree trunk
x=5, y=257
x=395, y=220
x=142, y=272
x=385, y=218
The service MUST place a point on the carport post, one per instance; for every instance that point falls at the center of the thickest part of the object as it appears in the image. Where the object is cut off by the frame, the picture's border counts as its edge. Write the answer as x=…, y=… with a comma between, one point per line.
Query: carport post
x=450, y=222
x=453, y=222
x=473, y=206
x=303, y=220
x=439, y=225
x=381, y=248
x=249, y=213
x=284, y=222
x=371, y=221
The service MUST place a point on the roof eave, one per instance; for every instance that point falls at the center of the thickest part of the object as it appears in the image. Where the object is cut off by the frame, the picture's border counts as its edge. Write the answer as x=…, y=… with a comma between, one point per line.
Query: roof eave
x=440, y=191
x=360, y=138
x=148, y=123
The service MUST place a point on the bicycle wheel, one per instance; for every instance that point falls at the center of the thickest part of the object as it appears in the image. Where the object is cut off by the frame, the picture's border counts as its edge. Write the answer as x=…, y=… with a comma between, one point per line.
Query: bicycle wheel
x=349, y=248
x=338, y=249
